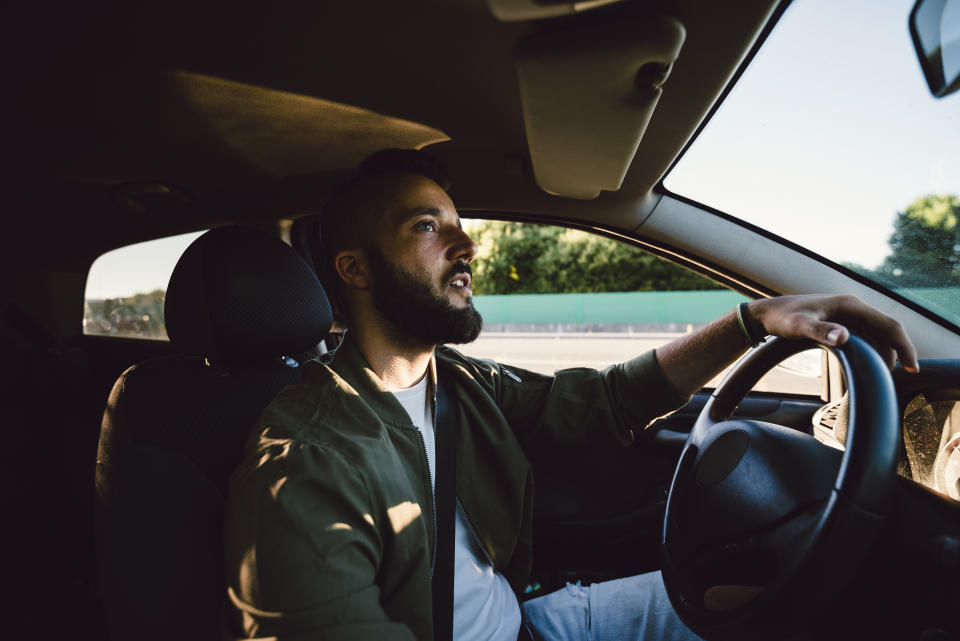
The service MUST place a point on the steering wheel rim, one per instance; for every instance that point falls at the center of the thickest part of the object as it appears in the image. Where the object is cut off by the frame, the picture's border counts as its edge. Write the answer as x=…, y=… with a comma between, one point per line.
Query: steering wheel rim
x=749, y=549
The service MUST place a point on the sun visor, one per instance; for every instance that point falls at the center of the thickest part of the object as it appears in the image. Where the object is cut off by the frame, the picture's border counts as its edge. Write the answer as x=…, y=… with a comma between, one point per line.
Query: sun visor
x=284, y=133
x=588, y=94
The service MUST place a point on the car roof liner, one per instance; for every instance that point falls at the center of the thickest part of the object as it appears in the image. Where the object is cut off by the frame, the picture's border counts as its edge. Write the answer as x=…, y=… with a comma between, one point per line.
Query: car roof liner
x=517, y=10
x=588, y=94
x=255, y=114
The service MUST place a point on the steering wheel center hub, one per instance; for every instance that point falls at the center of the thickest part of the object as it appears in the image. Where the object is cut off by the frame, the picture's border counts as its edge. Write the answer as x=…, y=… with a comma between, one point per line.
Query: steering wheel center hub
x=723, y=455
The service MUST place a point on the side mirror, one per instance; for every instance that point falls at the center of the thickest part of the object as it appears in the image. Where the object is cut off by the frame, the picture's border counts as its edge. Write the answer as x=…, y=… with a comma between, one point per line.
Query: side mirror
x=935, y=29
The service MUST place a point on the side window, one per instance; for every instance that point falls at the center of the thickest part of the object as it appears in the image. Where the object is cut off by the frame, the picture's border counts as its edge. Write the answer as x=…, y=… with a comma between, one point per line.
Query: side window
x=126, y=289
x=553, y=298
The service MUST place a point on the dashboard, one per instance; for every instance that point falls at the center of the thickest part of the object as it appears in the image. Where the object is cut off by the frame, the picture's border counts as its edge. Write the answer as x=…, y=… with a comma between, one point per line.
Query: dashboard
x=931, y=441
x=930, y=427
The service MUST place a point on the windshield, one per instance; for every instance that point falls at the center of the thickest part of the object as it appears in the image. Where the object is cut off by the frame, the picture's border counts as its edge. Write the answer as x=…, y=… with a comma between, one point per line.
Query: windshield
x=832, y=140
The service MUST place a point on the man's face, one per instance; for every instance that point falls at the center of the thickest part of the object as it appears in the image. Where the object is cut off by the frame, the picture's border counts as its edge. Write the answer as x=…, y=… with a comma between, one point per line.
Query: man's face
x=420, y=264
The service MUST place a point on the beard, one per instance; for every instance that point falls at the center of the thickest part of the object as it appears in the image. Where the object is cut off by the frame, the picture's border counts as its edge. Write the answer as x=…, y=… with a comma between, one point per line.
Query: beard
x=416, y=313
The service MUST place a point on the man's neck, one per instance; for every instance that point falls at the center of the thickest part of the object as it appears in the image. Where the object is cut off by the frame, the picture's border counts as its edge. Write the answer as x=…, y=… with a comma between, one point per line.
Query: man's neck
x=398, y=365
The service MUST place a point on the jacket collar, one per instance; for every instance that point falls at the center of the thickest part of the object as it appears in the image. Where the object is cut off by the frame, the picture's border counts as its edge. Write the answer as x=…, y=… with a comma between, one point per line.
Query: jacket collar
x=350, y=365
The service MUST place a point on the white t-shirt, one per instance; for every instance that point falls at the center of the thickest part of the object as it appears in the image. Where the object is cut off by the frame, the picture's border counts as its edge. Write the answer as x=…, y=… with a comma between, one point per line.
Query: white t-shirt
x=484, y=605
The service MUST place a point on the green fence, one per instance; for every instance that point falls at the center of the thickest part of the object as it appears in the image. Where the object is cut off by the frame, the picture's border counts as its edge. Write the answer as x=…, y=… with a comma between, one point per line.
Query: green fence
x=653, y=307
x=620, y=307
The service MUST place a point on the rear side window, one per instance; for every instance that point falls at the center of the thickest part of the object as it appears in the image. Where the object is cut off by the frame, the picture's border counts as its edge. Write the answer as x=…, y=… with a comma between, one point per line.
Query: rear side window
x=126, y=288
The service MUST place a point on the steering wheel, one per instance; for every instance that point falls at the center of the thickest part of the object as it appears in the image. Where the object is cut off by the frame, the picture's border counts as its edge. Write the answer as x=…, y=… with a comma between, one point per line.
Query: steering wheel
x=764, y=524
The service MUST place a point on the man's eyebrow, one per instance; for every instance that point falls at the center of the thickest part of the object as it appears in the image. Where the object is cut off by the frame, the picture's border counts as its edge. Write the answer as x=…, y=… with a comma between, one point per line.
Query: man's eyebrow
x=423, y=211
x=436, y=212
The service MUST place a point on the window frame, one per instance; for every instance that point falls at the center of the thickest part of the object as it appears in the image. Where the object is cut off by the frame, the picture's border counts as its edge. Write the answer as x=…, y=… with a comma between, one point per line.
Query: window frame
x=737, y=283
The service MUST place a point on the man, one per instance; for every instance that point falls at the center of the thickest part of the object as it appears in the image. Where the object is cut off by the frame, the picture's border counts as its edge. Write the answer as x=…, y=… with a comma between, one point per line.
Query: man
x=329, y=523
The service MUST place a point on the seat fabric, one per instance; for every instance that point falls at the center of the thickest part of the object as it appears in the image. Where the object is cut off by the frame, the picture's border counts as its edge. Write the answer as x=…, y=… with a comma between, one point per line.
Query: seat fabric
x=175, y=426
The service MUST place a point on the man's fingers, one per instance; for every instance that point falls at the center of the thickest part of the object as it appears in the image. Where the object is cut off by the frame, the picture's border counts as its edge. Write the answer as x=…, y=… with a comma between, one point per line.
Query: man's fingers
x=889, y=337
x=888, y=333
x=831, y=334
x=898, y=338
x=884, y=349
x=891, y=343
x=889, y=357
x=906, y=351
x=819, y=318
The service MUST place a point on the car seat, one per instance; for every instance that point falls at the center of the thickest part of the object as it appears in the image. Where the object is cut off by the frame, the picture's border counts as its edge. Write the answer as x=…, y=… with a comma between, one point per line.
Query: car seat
x=240, y=305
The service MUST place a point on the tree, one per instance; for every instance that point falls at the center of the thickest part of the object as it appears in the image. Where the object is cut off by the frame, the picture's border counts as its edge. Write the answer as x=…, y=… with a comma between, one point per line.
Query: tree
x=925, y=244
x=523, y=258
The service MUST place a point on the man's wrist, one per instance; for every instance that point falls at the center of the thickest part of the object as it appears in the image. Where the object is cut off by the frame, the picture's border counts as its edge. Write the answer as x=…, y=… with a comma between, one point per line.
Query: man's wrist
x=751, y=327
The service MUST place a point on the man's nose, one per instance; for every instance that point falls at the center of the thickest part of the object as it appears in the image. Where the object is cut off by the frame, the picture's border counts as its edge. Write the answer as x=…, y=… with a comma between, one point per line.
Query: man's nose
x=462, y=247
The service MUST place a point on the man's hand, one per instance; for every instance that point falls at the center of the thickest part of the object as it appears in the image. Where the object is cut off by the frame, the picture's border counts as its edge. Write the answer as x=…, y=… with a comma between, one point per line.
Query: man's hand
x=830, y=319
x=691, y=361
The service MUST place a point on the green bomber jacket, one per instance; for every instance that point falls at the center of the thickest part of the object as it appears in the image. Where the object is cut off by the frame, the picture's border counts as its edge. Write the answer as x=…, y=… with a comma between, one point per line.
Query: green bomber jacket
x=329, y=521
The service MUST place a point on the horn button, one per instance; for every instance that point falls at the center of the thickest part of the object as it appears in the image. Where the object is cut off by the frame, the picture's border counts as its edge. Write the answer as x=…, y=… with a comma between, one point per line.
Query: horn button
x=748, y=476
x=721, y=457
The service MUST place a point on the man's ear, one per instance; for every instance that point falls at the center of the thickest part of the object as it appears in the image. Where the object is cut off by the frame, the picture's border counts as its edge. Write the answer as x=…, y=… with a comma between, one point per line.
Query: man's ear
x=352, y=267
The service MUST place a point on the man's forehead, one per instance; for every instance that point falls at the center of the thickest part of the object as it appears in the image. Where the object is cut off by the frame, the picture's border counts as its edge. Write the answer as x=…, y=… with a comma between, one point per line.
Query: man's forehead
x=406, y=195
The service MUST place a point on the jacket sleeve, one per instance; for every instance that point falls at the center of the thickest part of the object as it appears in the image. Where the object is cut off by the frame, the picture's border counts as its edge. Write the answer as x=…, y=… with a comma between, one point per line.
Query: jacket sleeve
x=302, y=550
x=574, y=406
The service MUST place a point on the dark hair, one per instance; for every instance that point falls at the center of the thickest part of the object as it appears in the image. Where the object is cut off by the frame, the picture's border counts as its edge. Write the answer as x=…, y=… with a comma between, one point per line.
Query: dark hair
x=404, y=161
x=341, y=223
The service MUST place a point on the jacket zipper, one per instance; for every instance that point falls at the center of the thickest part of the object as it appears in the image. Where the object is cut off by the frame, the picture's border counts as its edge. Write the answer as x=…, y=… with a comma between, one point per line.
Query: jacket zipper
x=433, y=495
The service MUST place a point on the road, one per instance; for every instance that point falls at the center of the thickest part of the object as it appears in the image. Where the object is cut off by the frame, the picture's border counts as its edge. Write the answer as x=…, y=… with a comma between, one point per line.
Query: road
x=547, y=353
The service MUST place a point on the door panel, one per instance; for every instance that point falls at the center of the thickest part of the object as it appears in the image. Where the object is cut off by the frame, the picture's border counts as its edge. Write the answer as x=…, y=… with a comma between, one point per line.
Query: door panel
x=612, y=544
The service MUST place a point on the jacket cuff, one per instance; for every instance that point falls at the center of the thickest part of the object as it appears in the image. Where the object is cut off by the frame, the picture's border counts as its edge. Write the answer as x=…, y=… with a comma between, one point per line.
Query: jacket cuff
x=644, y=379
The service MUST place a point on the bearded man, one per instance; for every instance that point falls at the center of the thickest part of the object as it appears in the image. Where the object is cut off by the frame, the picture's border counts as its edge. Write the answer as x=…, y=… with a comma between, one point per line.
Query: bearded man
x=330, y=523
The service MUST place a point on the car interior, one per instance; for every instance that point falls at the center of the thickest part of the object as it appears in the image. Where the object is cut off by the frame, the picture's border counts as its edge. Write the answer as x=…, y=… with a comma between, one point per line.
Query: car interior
x=127, y=122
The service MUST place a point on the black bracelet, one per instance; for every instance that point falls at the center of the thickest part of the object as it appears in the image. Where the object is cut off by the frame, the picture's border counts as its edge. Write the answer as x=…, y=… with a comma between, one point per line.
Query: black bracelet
x=753, y=333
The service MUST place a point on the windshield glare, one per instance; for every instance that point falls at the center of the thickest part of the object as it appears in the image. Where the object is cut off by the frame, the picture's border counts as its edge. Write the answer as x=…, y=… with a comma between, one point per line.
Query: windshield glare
x=832, y=140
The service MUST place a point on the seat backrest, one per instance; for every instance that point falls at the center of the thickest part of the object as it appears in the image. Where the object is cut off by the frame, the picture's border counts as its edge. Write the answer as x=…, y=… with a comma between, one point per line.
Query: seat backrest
x=239, y=305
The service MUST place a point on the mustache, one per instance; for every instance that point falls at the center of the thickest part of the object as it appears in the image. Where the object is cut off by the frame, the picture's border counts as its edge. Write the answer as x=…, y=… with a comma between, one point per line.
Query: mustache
x=460, y=267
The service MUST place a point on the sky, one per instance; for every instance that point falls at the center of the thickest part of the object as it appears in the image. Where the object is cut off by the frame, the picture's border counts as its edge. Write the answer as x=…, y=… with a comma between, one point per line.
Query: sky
x=829, y=132
x=143, y=267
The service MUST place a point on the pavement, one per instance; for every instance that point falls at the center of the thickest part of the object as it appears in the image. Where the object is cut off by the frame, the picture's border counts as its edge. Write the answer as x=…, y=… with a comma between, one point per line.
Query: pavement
x=547, y=352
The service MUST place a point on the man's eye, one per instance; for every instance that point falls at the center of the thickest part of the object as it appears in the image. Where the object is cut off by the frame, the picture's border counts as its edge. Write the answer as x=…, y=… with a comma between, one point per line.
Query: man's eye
x=426, y=226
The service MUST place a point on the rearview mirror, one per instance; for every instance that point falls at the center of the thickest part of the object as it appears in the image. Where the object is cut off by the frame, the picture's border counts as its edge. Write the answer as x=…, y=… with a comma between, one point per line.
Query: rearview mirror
x=935, y=29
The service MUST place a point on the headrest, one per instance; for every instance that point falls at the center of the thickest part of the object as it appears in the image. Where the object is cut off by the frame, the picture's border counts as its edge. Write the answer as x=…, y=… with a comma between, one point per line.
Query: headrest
x=239, y=294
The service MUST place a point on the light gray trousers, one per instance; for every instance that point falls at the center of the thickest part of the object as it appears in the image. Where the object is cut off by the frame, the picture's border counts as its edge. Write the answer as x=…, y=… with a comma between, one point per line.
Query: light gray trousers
x=631, y=609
